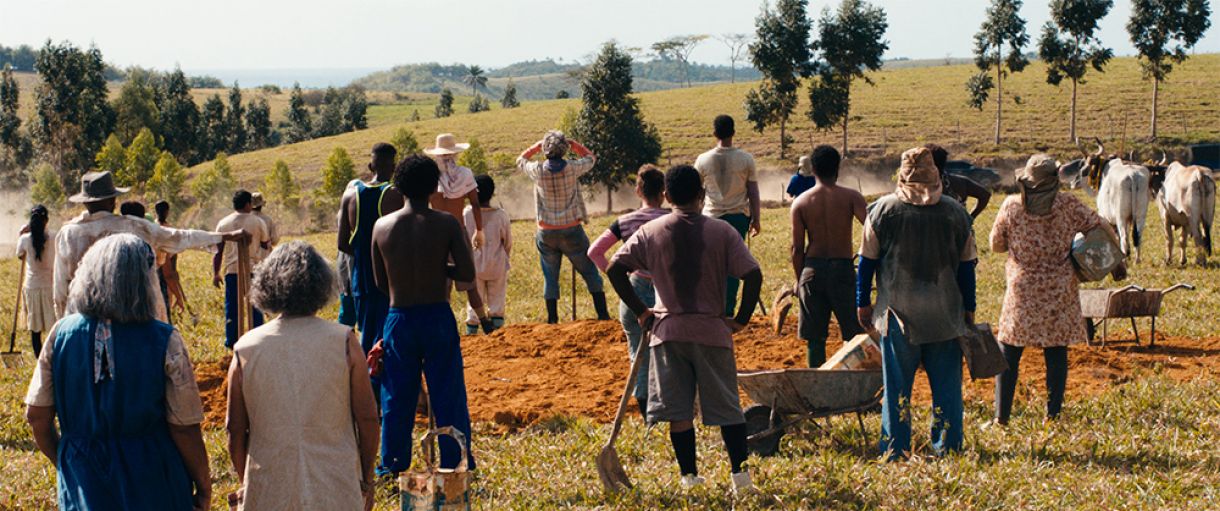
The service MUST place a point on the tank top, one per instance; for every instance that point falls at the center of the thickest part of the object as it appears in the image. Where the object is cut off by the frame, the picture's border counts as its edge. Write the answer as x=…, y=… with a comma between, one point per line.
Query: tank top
x=368, y=210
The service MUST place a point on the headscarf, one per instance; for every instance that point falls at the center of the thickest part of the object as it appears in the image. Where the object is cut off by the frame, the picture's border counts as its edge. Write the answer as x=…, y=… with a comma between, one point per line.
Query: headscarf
x=1039, y=182
x=918, y=179
x=805, y=167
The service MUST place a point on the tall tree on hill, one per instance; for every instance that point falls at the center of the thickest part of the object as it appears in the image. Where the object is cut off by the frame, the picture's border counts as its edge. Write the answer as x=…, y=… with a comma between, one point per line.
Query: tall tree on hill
x=141, y=160
x=179, y=118
x=330, y=120
x=444, y=108
x=281, y=187
x=71, y=115
x=299, y=124
x=510, y=95
x=738, y=44
x=782, y=53
x=679, y=48
x=258, y=124
x=1069, y=45
x=1163, y=31
x=236, y=121
x=475, y=78
x=355, y=109
x=336, y=173
x=214, y=129
x=136, y=106
x=851, y=42
x=1002, y=29
x=168, y=179
x=10, y=120
x=610, y=123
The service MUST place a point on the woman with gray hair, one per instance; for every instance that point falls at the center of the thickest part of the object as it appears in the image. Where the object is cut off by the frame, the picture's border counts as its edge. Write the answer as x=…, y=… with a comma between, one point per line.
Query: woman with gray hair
x=303, y=430
x=122, y=386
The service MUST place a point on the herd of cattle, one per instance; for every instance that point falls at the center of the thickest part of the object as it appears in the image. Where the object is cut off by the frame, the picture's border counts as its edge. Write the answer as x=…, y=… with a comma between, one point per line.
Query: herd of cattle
x=1185, y=194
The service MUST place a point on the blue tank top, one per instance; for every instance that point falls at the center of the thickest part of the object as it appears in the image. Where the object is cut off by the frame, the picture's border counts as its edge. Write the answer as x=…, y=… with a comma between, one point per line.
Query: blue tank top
x=368, y=210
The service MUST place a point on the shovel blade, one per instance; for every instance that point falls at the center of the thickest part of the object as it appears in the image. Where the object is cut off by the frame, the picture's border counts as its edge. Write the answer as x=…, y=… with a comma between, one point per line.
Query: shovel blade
x=611, y=472
x=12, y=360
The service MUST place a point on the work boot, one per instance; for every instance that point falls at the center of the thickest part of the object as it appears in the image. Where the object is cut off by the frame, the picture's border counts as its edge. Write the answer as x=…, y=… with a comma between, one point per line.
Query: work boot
x=498, y=322
x=599, y=305
x=552, y=311
x=488, y=325
x=471, y=329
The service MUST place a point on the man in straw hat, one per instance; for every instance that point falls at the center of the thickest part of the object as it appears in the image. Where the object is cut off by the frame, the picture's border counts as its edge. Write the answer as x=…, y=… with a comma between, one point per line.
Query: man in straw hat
x=97, y=194
x=257, y=201
x=920, y=246
x=456, y=188
x=560, y=210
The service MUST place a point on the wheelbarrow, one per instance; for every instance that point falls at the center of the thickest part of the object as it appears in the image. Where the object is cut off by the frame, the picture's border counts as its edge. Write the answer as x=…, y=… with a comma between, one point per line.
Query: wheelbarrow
x=1099, y=305
x=789, y=396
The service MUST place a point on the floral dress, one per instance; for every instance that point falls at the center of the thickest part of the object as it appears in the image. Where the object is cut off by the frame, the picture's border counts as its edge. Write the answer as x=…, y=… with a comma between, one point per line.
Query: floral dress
x=1042, y=301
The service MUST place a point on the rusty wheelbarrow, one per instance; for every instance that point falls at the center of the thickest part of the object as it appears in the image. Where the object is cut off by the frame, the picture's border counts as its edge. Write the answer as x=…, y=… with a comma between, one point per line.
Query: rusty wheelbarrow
x=1100, y=305
x=789, y=396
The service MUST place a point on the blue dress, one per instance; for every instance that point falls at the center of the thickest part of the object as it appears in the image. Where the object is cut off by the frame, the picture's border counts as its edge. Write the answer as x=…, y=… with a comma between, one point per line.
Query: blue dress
x=115, y=451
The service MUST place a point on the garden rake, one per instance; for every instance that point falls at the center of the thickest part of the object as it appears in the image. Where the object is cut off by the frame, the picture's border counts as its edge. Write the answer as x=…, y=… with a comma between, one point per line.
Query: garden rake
x=609, y=468
x=12, y=357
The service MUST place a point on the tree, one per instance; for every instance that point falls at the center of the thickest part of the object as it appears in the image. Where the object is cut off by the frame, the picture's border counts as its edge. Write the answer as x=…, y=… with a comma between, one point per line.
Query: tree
x=444, y=108
x=474, y=158
x=281, y=187
x=679, y=48
x=141, y=159
x=510, y=95
x=113, y=157
x=299, y=125
x=214, y=181
x=72, y=116
x=738, y=45
x=235, y=122
x=330, y=122
x=781, y=51
x=610, y=122
x=336, y=174
x=355, y=109
x=47, y=188
x=478, y=104
x=851, y=42
x=168, y=179
x=214, y=128
x=179, y=118
x=258, y=124
x=404, y=142
x=136, y=106
x=475, y=78
x=1162, y=31
x=10, y=120
x=1002, y=29
x=1069, y=45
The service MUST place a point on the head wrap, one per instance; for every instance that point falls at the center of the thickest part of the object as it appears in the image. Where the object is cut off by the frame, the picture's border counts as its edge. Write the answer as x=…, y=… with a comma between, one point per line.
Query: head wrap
x=918, y=178
x=1039, y=182
x=805, y=167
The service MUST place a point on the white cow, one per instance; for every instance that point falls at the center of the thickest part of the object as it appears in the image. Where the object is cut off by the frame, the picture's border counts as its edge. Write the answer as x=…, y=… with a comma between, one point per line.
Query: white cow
x=1122, y=200
x=1187, y=201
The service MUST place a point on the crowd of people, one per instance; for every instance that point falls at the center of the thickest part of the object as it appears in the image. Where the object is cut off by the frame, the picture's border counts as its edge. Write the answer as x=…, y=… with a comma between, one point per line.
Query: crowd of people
x=319, y=411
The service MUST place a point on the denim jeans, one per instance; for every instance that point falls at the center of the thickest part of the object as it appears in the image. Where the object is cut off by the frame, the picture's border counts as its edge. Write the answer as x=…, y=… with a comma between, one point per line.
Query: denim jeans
x=256, y=317
x=943, y=363
x=741, y=223
x=631, y=326
x=553, y=245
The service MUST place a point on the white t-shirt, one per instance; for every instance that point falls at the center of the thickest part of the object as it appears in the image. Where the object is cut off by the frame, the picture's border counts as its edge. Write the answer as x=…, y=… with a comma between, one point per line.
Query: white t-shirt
x=39, y=273
x=725, y=171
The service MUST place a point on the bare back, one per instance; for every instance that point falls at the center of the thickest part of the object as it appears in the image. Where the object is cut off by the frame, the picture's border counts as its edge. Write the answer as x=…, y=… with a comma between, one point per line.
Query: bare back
x=452, y=206
x=411, y=253
x=822, y=221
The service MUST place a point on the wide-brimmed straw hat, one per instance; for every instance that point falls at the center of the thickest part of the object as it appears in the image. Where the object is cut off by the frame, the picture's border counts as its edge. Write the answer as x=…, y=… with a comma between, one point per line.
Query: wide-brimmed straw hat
x=446, y=144
x=257, y=200
x=97, y=186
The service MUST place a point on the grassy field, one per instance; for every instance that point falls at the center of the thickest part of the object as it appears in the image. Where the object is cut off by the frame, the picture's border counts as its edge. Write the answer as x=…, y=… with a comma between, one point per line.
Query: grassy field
x=1144, y=444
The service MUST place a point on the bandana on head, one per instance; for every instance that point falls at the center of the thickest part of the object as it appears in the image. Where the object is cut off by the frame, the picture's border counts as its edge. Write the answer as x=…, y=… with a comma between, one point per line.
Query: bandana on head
x=1039, y=182
x=918, y=179
x=805, y=166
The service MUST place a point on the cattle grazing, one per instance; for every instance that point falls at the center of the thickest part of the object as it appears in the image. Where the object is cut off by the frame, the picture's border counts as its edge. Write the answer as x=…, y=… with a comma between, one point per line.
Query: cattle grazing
x=1188, y=202
x=1122, y=191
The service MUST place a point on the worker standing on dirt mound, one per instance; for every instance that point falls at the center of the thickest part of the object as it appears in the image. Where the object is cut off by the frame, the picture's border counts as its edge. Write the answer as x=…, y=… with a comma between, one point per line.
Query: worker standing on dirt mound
x=491, y=261
x=412, y=250
x=731, y=180
x=650, y=188
x=920, y=246
x=822, y=254
x=560, y=210
x=690, y=256
x=225, y=260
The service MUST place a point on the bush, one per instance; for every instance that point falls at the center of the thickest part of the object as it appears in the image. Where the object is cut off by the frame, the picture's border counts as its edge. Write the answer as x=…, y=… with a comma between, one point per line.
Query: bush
x=336, y=174
x=142, y=157
x=474, y=158
x=445, y=107
x=404, y=142
x=502, y=161
x=47, y=189
x=168, y=180
x=215, y=181
x=112, y=158
x=478, y=104
x=281, y=187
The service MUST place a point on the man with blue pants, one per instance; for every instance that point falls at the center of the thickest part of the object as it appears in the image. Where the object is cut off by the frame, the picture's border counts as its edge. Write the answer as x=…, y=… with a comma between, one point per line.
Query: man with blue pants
x=242, y=218
x=920, y=245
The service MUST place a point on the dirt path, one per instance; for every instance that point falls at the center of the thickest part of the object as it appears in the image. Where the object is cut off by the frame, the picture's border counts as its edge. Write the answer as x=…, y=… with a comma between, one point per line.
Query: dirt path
x=528, y=372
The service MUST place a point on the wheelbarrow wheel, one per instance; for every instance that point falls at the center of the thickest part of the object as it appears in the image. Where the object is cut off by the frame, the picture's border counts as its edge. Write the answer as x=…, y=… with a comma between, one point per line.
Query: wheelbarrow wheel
x=758, y=419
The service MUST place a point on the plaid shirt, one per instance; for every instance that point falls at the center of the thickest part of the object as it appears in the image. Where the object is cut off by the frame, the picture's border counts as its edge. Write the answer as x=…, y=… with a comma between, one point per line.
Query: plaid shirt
x=557, y=199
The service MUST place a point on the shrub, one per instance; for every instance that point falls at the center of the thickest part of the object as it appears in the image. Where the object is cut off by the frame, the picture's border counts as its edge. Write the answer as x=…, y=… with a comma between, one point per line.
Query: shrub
x=474, y=158
x=404, y=142
x=281, y=187
x=336, y=174
x=47, y=189
x=168, y=179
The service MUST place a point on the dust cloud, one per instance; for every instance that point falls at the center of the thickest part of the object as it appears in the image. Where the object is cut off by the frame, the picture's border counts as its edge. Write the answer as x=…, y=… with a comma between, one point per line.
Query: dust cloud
x=13, y=214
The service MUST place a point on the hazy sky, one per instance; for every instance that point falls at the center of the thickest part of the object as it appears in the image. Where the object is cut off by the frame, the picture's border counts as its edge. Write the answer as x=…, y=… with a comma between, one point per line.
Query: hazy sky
x=379, y=33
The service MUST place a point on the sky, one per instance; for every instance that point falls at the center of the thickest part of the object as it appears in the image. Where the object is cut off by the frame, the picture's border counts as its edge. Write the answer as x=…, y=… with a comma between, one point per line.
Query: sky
x=371, y=34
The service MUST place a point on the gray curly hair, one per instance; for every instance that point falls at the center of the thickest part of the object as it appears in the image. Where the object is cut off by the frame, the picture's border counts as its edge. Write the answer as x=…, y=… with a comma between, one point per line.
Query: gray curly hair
x=554, y=145
x=295, y=280
x=115, y=281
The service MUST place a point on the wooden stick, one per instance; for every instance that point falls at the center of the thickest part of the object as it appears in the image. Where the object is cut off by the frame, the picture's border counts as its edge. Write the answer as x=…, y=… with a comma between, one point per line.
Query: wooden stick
x=243, y=288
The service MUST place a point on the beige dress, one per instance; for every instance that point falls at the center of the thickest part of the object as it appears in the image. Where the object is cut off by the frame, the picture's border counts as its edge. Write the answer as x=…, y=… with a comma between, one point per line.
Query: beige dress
x=38, y=291
x=1042, y=302
x=303, y=451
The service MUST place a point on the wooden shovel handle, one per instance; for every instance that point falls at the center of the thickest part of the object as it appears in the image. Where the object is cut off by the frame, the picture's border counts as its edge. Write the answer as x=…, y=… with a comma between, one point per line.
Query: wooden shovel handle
x=629, y=387
x=243, y=288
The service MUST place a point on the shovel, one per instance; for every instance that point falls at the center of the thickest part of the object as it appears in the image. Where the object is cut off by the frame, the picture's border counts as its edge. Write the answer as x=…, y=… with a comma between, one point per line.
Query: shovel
x=573, y=292
x=609, y=468
x=244, y=319
x=12, y=357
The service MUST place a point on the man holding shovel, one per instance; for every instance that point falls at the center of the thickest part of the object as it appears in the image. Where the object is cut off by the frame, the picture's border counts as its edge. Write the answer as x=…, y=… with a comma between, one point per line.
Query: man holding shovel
x=226, y=258
x=690, y=257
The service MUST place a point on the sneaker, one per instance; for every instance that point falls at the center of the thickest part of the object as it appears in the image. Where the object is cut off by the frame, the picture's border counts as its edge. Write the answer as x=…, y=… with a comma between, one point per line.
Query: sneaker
x=691, y=481
x=742, y=485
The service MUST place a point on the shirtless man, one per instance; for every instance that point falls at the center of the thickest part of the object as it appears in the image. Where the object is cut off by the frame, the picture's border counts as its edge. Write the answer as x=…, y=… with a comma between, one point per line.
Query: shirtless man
x=420, y=331
x=456, y=188
x=822, y=254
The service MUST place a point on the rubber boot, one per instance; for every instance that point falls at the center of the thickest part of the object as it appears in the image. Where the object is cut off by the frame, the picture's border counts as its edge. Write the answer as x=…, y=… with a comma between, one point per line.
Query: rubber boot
x=599, y=305
x=498, y=322
x=488, y=326
x=471, y=329
x=552, y=311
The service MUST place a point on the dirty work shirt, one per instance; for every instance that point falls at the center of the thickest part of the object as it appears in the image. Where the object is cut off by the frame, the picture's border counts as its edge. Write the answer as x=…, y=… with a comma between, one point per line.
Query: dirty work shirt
x=273, y=232
x=690, y=257
x=725, y=171
x=258, y=235
x=557, y=200
x=919, y=248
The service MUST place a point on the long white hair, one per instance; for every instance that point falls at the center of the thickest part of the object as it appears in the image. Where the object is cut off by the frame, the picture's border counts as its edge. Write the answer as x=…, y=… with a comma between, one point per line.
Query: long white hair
x=116, y=281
